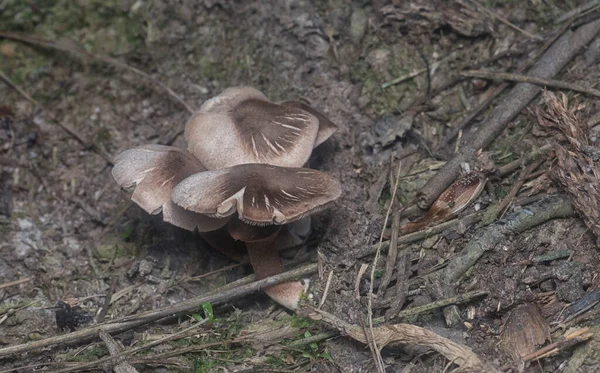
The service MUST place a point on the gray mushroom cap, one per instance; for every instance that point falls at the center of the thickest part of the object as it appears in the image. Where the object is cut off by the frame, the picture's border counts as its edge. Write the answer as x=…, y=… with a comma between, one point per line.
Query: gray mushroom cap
x=326, y=127
x=261, y=194
x=151, y=172
x=241, y=126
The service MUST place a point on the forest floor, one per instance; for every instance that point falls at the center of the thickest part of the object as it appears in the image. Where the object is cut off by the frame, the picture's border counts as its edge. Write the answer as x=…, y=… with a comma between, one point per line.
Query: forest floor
x=84, y=80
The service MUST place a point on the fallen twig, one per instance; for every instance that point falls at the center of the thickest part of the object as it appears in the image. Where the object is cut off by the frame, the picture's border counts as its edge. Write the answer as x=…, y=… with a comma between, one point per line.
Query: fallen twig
x=551, y=62
x=14, y=86
x=457, y=299
x=510, y=167
x=242, y=287
x=390, y=263
x=530, y=79
x=15, y=283
x=79, y=52
x=505, y=21
x=552, y=207
x=119, y=364
x=568, y=340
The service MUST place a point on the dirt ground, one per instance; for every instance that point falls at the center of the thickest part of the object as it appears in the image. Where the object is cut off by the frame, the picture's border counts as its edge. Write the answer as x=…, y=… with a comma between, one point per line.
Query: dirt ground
x=67, y=233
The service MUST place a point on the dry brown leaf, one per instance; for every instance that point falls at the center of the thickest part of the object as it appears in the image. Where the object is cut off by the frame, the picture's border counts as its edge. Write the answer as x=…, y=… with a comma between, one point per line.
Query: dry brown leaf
x=524, y=331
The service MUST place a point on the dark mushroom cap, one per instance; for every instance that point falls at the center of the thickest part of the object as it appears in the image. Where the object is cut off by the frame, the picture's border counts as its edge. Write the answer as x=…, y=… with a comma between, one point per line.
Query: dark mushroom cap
x=261, y=194
x=241, y=126
x=151, y=172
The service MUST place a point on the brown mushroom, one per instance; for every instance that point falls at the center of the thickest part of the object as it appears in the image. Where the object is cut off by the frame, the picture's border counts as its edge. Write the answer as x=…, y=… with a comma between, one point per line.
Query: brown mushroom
x=326, y=127
x=242, y=126
x=151, y=172
x=264, y=198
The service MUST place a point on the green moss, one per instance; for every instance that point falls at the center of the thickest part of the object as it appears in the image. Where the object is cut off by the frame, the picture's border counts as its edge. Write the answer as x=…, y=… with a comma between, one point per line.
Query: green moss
x=301, y=322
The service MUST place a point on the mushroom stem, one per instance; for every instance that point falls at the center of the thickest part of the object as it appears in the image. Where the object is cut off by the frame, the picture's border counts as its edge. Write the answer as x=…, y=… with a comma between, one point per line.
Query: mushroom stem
x=264, y=258
x=266, y=262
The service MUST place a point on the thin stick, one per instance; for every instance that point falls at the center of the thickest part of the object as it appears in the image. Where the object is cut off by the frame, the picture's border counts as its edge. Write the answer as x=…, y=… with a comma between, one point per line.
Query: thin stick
x=505, y=21
x=392, y=254
x=114, y=358
x=326, y=291
x=575, y=337
x=457, y=299
x=530, y=79
x=119, y=364
x=15, y=283
x=218, y=296
x=379, y=360
x=403, y=78
x=456, y=128
x=14, y=86
x=107, y=300
x=550, y=64
x=80, y=52
x=510, y=167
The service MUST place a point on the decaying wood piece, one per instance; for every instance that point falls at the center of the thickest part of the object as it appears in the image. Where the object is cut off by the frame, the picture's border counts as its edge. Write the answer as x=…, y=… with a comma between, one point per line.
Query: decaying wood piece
x=552, y=207
x=550, y=64
x=409, y=334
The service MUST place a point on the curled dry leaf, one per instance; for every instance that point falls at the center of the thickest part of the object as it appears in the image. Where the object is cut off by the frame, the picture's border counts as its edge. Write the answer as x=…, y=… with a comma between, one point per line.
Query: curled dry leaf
x=454, y=199
x=524, y=331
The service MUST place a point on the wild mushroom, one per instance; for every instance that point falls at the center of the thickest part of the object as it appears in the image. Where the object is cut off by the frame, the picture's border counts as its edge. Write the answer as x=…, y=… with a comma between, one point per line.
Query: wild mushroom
x=241, y=126
x=264, y=198
x=237, y=180
x=151, y=172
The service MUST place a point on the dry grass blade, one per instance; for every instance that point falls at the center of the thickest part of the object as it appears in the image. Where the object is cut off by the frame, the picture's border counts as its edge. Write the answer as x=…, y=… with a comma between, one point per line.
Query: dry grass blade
x=373, y=343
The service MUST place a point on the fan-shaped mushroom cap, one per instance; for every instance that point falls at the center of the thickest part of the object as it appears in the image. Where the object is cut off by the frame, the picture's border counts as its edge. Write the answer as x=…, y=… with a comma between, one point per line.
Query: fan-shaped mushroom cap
x=326, y=127
x=151, y=172
x=241, y=126
x=261, y=194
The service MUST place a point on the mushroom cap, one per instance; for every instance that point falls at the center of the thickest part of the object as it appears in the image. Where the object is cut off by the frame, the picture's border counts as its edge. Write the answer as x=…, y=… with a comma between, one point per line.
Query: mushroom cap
x=240, y=231
x=241, y=126
x=151, y=172
x=288, y=294
x=261, y=194
x=326, y=126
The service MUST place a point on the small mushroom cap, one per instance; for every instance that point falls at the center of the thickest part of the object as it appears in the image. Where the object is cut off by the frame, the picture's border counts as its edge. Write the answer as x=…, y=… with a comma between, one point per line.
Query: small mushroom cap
x=241, y=126
x=288, y=294
x=151, y=172
x=261, y=194
x=326, y=126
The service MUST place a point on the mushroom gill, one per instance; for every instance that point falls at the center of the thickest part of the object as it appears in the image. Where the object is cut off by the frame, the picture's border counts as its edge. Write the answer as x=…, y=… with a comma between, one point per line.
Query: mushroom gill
x=151, y=172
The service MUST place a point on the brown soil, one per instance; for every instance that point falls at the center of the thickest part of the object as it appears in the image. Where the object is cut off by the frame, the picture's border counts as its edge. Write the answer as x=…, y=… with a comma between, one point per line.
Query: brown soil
x=58, y=200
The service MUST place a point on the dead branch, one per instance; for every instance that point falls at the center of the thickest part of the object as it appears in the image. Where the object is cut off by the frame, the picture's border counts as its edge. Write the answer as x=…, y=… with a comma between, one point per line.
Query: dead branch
x=237, y=289
x=551, y=62
x=552, y=207
x=530, y=79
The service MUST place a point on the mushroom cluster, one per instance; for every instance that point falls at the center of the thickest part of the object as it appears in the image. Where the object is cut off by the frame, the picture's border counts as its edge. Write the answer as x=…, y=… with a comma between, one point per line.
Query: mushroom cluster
x=241, y=179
